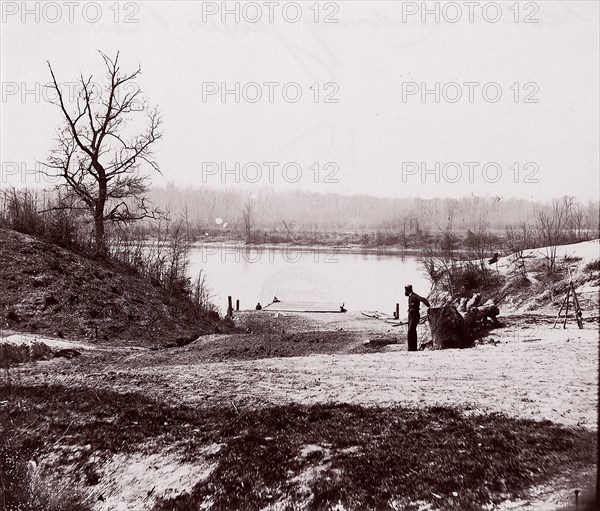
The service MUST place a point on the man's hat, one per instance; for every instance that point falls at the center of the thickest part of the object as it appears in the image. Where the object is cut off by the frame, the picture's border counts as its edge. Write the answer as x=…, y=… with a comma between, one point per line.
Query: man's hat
x=408, y=288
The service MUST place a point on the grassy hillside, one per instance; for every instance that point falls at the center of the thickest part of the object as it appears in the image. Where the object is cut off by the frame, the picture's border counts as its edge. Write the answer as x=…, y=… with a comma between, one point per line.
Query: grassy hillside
x=49, y=290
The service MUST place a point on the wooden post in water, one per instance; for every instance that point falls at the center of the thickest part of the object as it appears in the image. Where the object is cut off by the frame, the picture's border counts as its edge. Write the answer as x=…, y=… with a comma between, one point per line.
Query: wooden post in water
x=237, y=305
x=397, y=313
x=229, y=307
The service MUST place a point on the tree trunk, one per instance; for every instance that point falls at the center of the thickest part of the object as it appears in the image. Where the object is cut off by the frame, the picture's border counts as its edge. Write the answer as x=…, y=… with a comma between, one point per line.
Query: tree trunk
x=100, y=203
x=99, y=244
x=99, y=236
x=448, y=328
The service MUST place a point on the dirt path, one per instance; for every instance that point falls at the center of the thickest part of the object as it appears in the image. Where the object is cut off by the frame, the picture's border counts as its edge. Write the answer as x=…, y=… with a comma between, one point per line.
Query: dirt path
x=550, y=379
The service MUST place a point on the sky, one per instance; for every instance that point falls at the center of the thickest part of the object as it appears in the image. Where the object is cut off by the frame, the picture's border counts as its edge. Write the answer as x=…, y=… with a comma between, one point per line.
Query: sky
x=378, y=98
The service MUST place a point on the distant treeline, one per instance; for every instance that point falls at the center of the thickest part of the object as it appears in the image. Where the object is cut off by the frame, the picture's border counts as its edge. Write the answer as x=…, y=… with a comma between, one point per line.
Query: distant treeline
x=287, y=212
x=308, y=218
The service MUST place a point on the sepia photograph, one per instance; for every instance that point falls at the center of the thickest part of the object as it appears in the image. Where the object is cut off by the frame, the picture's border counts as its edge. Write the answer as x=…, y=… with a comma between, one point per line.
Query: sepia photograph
x=300, y=255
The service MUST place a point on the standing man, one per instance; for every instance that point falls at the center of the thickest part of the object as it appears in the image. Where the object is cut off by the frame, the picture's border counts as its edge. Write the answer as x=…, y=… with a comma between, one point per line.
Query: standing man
x=414, y=305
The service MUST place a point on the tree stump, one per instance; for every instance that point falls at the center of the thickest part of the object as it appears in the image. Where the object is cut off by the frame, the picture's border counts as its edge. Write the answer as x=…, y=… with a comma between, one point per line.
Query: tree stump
x=448, y=328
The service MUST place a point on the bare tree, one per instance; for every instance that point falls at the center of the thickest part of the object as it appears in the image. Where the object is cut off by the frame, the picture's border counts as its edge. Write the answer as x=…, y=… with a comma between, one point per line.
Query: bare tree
x=551, y=227
x=441, y=264
x=103, y=161
x=404, y=221
x=518, y=240
x=480, y=245
x=576, y=223
x=451, y=207
x=247, y=216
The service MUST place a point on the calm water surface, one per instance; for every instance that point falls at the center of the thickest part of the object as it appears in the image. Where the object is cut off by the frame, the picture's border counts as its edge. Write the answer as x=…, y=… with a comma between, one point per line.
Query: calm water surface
x=363, y=281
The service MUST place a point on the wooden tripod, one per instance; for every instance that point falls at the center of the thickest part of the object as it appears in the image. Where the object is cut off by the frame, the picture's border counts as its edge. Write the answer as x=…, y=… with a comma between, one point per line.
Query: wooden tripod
x=565, y=305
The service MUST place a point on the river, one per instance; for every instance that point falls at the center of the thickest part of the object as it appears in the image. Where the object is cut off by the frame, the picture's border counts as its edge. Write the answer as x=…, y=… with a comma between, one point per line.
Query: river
x=362, y=280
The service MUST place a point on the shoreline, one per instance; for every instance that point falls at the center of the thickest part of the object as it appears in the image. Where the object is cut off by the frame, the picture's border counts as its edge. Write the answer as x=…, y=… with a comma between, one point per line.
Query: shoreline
x=315, y=247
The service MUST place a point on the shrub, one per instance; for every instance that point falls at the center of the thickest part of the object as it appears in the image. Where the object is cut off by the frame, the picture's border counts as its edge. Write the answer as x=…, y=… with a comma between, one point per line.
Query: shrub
x=592, y=266
x=50, y=217
x=163, y=258
x=471, y=278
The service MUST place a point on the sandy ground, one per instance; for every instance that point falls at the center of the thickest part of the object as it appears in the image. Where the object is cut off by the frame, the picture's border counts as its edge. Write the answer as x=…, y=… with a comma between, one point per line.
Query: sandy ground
x=18, y=338
x=527, y=372
x=587, y=251
x=525, y=369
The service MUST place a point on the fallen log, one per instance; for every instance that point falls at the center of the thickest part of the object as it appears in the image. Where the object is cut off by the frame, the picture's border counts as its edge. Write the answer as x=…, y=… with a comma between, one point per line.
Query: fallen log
x=482, y=313
x=461, y=304
x=448, y=328
x=473, y=302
